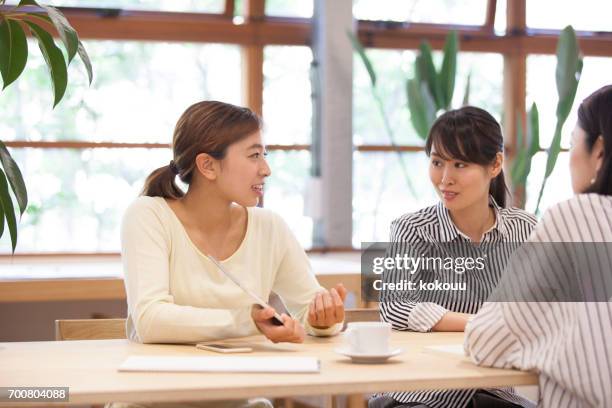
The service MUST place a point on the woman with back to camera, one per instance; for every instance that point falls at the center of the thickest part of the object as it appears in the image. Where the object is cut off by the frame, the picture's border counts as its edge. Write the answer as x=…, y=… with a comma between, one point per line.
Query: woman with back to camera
x=175, y=293
x=567, y=343
x=465, y=147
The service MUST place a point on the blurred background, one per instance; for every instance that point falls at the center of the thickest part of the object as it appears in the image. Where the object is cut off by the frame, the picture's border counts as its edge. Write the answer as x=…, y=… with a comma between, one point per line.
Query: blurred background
x=143, y=82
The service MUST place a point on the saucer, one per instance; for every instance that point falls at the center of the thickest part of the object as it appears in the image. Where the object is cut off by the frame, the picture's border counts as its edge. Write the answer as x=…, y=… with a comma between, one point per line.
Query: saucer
x=367, y=358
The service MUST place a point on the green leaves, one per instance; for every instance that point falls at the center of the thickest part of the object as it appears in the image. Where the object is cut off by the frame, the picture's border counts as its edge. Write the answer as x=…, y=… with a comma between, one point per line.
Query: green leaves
x=8, y=209
x=364, y=58
x=446, y=78
x=431, y=91
x=526, y=150
x=86, y=61
x=569, y=68
x=422, y=107
x=13, y=51
x=13, y=45
x=466, y=93
x=567, y=75
x=66, y=32
x=11, y=175
x=426, y=73
x=54, y=59
x=13, y=57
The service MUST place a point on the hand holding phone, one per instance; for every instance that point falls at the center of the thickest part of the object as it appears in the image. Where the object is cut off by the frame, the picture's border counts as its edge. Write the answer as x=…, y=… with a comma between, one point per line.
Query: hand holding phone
x=291, y=331
x=275, y=318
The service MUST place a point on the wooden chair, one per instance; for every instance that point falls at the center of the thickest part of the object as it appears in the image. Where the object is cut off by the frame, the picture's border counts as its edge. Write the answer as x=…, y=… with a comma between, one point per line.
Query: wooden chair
x=90, y=329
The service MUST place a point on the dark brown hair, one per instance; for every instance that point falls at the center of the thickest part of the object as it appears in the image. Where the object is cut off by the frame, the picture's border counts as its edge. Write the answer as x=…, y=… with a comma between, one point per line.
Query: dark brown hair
x=471, y=135
x=595, y=118
x=205, y=127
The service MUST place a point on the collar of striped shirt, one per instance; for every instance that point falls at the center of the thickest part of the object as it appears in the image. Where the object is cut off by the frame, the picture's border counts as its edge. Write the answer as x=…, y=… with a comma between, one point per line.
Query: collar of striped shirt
x=450, y=232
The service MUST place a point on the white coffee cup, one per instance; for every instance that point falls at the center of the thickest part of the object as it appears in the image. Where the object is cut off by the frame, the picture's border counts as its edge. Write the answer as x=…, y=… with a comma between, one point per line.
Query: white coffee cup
x=369, y=337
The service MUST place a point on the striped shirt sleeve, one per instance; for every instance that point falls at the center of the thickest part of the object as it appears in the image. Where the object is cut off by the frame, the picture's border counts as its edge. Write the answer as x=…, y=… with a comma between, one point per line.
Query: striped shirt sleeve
x=408, y=312
x=566, y=342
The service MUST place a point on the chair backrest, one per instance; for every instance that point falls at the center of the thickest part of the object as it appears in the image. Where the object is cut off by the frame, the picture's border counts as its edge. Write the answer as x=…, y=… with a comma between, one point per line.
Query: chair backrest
x=90, y=329
x=361, y=315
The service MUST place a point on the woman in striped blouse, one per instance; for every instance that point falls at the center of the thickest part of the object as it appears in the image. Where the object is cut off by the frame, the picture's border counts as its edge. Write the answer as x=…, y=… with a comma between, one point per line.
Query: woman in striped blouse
x=465, y=147
x=567, y=343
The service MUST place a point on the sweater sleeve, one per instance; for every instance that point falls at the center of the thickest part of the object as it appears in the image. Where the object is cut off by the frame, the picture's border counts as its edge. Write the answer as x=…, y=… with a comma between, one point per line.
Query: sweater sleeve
x=153, y=315
x=295, y=282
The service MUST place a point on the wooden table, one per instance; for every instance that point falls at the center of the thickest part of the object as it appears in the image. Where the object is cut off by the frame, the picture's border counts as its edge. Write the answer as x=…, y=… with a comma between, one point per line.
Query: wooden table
x=89, y=368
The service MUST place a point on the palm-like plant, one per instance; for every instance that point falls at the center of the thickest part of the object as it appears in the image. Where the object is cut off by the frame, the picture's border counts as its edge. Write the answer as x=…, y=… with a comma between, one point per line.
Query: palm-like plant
x=40, y=21
x=567, y=75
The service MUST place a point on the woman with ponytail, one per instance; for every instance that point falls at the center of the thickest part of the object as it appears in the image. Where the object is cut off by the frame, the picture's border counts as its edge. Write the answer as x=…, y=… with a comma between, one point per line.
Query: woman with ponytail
x=175, y=293
x=465, y=147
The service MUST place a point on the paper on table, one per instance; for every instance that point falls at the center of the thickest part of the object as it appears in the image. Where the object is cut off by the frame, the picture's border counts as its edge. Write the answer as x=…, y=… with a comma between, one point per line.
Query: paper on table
x=221, y=364
x=448, y=348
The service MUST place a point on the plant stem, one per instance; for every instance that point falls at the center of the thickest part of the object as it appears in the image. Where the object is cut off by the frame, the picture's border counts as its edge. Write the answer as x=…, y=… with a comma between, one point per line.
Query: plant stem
x=391, y=135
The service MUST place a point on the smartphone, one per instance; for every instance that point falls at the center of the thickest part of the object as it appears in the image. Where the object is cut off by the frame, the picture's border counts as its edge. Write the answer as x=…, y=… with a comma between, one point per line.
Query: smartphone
x=223, y=348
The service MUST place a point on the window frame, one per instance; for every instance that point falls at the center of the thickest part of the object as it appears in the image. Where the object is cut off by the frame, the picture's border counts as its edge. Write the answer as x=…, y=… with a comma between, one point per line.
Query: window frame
x=258, y=30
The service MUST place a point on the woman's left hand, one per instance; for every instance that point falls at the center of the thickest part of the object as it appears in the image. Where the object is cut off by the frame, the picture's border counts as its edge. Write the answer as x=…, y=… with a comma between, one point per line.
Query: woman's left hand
x=327, y=308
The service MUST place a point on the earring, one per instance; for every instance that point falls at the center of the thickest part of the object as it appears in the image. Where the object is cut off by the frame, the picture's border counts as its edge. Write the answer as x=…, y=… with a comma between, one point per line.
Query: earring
x=593, y=180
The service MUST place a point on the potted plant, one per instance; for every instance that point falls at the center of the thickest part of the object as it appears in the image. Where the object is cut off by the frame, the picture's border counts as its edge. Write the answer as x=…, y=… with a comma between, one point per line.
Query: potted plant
x=41, y=22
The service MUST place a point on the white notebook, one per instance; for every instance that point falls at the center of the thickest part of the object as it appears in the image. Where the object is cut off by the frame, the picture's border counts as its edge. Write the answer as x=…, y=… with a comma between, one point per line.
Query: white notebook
x=221, y=364
x=456, y=349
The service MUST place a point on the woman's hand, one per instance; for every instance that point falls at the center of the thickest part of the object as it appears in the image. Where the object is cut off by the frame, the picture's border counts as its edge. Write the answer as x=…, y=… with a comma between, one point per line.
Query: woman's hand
x=291, y=331
x=327, y=308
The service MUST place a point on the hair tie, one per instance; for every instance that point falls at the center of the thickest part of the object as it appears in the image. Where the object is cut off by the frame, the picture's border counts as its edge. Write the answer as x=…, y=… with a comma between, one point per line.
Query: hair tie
x=173, y=167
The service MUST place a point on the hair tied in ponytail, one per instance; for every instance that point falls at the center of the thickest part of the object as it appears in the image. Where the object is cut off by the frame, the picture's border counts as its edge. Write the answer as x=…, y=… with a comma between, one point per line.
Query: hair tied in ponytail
x=173, y=167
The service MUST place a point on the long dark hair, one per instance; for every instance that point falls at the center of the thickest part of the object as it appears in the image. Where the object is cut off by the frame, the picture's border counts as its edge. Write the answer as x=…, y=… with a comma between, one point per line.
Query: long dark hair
x=205, y=127
x=595, y=118
x=471, y=135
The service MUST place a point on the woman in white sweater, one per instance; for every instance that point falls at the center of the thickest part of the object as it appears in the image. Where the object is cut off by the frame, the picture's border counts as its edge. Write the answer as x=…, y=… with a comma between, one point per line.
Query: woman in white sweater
x=554, y=314
x=175, y=293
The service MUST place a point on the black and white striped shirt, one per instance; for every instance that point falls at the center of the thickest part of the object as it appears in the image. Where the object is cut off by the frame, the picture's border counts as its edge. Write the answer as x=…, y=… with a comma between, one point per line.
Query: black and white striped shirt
x=420, y=311
x=567, y=343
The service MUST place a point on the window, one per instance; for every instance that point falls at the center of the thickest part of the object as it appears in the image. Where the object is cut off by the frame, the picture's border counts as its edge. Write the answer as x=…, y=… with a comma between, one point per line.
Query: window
x=541, y=89
x=139, y=91
x=77, y=197
x=286, y=191
x=287, y=104
x=289, y=8
x=287, y=112
x=500, y=17
x=202, y=6
x=471, y=12
x=381, y=193
x=589, y=15
x=558, y=186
